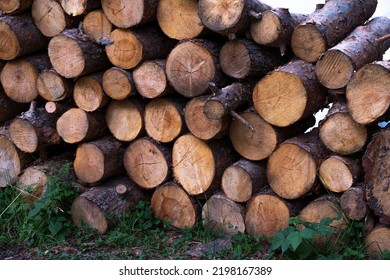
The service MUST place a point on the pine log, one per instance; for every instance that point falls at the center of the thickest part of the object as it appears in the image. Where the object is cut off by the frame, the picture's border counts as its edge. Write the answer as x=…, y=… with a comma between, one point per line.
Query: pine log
x=9, y=108
x=50, y=17
x=124, y=118
x=148, y=163
x=97, y=26
x=118, y=83
x=223, y=215
x=288, y=94
x=76, y=126
x=198, y=166
x=79, y=7
x=353, y=202
x=292, y=167
x=179, y=19
x=151, y=80
x=230, y=18
x=378, y=241
x=199, y=124
x=339, y=131
x=376, y=164
x=164, y=119
x=172, y=204
x=51, y=86
x=327, y=26
x=275, y=28
x=98, y=160
x=125, y=14
x=367, y=93
x=88, y=93
x=132, y=46
x=72, y=54
x=243, y=179
x=336, y=66
x=243, y=58
x=93, y=207
x=56, y=108
x=192, y=65
x=20, y=36
x=19, y=76
x=339, y=173
x=15, y=6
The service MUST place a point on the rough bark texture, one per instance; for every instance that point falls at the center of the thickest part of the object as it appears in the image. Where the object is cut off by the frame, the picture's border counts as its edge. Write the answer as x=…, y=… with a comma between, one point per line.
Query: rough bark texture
x=353, y=202
x=118, y=83
x=9, y=108
x=51, y=86
x=97, y=26
x=79, y=7
x=378, y=241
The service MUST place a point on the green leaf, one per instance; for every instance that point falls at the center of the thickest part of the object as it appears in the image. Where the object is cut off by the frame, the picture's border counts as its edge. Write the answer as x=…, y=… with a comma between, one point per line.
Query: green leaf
x=277, y=241
x=307, y=233
x=285, y=245
x=295, y=240
x=55, y=227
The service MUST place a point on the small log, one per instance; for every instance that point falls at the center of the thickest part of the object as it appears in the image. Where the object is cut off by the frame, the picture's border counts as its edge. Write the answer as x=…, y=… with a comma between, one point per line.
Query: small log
x=223, y=215
x=72, y=54
x=148, y=163
x=172, y=204
x=244, y=178
x=288, y=94
x=132, y=46
x=93, y=207
x=15, y=6
x=9, y=108
x=327, y=26
x=97, y=26
x=118, y=83
x=79, y=7
x=339, y=131
x=377, y=241
x=353, y=202
x=56, y=108
x=51, y=86
x=367, y=92
x=20, y=36
x=124, y=118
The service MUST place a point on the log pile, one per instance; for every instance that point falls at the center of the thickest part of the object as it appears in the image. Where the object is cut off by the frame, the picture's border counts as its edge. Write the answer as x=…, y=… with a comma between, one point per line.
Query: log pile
x=202, y=107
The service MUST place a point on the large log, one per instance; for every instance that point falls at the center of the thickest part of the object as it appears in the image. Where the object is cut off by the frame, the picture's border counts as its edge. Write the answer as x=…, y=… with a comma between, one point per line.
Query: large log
x=15, y=6
x=327, y=26
x=79, y=7
x=9, y=108
x=51, y=86
x=288, y=94
x=97, y=26
x=118, y=83
x=377, y=241
x=337, y=65
x=353, y=202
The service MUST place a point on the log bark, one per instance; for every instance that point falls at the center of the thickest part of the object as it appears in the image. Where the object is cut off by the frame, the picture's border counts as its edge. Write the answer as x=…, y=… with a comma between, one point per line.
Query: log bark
x=223, y=216
x=9, y=108
x=243, y=179
x=118, y=83
x=124, y=118
x=15, y=6
x=192, y=65
x=288, y=94
x=79, y=7
x=51, y=86
x=367, y=93
x=339, y=131
x=148, y=163
x=93, y=207
x=125, y=14
x=72, y=54
x=377, y=241
x=56, y=108
x=98, y=160
x=376, y=164
x=353, y=202
x=20, y=36
x=97, y=26
x=132, y=46
x=327, y=26
x=337, y=65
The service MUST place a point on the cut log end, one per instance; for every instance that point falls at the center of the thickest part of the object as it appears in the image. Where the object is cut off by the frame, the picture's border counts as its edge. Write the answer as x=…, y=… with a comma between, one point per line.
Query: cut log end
x=97, y=26
x=117, y=83
x=237, y=184
x=150, y=79
x=24, y=135
x=9, y=47
x=88, y=93
x=235, y=59
x=67, y=129
x=89, y=158
x=335, y=175
x=378, y=241
x=10, y=165
x=52, y=87
x=49, y=17
x=308, y=43
x=266, y=30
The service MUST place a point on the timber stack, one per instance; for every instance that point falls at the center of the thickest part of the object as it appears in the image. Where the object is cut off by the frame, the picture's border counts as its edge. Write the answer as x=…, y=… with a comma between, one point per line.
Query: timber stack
x=204, y=108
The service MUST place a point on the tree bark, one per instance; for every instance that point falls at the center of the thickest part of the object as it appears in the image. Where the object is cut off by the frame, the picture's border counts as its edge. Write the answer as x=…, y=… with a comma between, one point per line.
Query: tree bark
x=15, y=6
x=118, y=83
x=97, y=26
x=353, y=202
x=377, y=241
x=51, y=86
x=56, y=108
x=79, y=7
x=9, y=108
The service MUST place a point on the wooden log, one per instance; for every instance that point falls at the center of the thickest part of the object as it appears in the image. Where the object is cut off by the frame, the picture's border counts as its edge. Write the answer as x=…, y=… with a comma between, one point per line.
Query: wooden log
x=299, y=155
x=148, y=163
x=275, y=27
x=231, y=17
x=9, y=108
x=327, y=26
x=88, y=93
x=223, y=216
x=93, y=207
x=124, y=118
x=15, y=6
x=98, y=160
x=124, y=14
x=192, y=65
x=179, y=19
x=243, y=58
x=51, y=86
x=20, y=36
x=198, y=166
x=118, y=83
x=337, y=65
x=288, y=94
x=172, y=204
x=243, y=179
x=353, y=202
x=79, y=7
x=367, y=92
x=376, y=164
x=56, y=108
x=97, y=26
x=72, y=54
x=164, y=119
x=199, y=124
x=151, y=80
x=50, y=17
x=76, y=126
x=132, y=46
x=377, y=241
x=339, y=131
